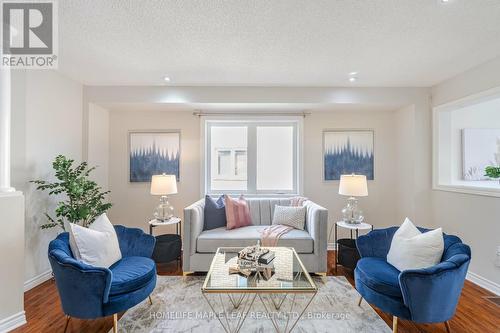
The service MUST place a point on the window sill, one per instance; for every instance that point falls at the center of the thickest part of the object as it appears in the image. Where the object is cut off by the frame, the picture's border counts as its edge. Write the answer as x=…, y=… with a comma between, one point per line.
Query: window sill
x=489, y=189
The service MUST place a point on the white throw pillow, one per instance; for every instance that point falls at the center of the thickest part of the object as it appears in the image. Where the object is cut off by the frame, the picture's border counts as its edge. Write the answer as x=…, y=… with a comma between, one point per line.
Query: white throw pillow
x=96, y=245
x=412, y=249
x=291, y=216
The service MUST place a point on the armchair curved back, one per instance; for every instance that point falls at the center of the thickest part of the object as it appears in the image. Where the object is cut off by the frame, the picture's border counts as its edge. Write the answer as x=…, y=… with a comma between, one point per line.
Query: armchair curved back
x=82, y=288
x=430, y=294
x=134, y=242
x=378, y=242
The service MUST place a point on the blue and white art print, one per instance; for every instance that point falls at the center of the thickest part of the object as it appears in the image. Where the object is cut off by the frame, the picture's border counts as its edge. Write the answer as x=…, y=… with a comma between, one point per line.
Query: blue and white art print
x=348, y=152
x=153, y=153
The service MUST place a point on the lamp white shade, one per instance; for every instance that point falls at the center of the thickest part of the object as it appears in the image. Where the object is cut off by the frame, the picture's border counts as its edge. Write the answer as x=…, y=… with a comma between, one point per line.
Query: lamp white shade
x=353, y=186
x=163, y=184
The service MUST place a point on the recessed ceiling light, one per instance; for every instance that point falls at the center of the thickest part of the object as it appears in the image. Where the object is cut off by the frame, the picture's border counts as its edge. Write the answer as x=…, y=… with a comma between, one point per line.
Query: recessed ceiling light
x=353, y=79
x=166, y=79
x=445, y=1
x=353, y=73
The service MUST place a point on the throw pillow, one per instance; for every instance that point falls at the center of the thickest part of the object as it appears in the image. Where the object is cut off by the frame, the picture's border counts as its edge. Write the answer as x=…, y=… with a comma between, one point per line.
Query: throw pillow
x=412, y=249
x=96, y=245
x=214, y=213
x=294, y=217
x=237, y=212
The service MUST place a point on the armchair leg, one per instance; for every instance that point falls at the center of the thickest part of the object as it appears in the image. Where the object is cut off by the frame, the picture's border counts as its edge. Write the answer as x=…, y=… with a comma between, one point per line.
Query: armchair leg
x=394, y=324
x=447, y=325
x=68, y=318
x=150, y=300
x=360, y=300
x=115, y=323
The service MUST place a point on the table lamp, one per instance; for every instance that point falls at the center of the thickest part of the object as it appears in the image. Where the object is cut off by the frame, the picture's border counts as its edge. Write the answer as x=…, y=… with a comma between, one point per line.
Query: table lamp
x=353, y=186
x=163, y=185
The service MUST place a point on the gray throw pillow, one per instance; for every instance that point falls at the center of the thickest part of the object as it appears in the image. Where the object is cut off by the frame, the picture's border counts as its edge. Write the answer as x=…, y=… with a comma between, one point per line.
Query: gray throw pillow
x=294, y=217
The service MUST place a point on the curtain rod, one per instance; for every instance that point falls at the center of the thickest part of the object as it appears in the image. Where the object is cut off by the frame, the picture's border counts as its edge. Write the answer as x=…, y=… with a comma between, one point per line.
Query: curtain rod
x=268, y=114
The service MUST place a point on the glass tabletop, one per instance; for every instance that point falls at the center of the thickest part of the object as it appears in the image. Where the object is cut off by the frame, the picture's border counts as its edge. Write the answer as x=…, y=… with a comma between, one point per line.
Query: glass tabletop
x=290, y=274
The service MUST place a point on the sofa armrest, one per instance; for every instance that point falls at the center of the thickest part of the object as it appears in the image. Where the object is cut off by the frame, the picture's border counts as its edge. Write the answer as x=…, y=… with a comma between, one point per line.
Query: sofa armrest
x=432, y=293
x=317, y=226
x=135, y=242
x=82, y=288
x=193, y=226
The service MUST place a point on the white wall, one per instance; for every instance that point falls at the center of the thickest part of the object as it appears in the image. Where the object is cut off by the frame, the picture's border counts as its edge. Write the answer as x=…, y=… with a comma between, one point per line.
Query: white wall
x=474, y=218
x=404, y=125
x=132, y=203
x=379, y=207
x=47, y=121
x=98, y=144
x=11, y=259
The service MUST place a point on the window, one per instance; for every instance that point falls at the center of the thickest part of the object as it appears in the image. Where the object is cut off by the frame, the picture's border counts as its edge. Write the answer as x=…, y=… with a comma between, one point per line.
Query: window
x=252, y=157
x=466, y=141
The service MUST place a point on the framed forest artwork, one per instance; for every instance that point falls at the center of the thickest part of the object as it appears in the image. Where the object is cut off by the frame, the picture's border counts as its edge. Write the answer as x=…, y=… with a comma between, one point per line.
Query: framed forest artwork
x=348, y=152
x=153, y=153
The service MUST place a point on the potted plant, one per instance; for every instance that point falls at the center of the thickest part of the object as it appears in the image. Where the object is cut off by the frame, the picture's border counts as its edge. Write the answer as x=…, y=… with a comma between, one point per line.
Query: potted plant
x=84, y=199
x=492, y=172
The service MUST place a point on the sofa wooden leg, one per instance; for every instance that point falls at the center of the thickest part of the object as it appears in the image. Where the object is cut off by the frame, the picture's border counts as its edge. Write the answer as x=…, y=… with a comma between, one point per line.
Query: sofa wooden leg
x=150, y=300
x=447, y=325
x=115, y=323
x=67, y=323
x=360, y=300
x=394, y=324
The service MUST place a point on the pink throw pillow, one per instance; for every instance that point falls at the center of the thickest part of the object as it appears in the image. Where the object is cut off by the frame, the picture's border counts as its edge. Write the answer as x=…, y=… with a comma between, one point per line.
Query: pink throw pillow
x=237, y=213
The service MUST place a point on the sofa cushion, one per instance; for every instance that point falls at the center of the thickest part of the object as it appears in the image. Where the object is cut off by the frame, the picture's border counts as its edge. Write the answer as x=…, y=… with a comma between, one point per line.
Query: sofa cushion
x=378, y=275
x=412, y=249
x=294, y=217
x=237, y=212
x=131, y=273
x=210, y=240
x=214, y=213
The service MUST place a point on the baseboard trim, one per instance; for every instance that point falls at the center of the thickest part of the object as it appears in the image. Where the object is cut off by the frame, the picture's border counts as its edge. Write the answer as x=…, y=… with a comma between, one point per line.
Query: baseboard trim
x=12, y=322
x=331, y=246
x=37, y=280
x=484, y=283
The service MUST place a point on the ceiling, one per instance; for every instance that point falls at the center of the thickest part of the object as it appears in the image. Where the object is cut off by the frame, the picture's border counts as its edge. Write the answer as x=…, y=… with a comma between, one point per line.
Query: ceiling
x=410, y=43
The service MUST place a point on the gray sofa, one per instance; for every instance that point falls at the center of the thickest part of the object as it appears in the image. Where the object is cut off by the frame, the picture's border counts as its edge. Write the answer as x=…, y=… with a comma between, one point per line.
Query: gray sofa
x=200, y=246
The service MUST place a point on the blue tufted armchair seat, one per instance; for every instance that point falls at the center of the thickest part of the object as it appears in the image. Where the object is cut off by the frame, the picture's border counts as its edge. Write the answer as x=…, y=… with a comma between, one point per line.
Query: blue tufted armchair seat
x=428, y=295
x=89, y=292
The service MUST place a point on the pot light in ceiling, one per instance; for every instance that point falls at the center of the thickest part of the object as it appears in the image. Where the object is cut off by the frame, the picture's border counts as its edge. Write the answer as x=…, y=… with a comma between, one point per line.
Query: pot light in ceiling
x=353, y=77
x=166, y=79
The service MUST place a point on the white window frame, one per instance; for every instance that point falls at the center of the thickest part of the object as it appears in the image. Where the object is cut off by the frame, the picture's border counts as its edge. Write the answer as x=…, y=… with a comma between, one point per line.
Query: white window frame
x=252, y=122
x=440, y=163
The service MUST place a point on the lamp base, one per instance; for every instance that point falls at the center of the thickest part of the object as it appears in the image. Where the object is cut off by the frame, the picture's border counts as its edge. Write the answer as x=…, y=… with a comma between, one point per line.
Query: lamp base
x=351, y=213
x=164, y=211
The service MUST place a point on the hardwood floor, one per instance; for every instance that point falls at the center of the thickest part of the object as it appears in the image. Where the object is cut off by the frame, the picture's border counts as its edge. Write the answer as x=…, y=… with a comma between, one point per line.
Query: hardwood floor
x=474, y=313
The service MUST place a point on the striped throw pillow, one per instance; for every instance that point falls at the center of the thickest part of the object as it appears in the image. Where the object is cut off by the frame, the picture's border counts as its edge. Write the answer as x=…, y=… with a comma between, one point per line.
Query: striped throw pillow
x=237, y=212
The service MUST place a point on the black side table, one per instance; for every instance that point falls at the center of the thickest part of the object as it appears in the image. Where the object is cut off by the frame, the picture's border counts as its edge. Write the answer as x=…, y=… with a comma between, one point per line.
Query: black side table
x=346, y=243
x=168, y=246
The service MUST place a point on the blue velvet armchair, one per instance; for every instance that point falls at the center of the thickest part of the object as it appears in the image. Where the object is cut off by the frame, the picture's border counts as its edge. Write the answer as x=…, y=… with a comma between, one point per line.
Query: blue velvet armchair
x=89, y=292
x=428, y=295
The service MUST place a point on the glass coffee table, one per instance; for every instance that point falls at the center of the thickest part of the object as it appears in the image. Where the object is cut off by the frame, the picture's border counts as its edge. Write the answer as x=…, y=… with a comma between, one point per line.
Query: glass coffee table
x=285, y=296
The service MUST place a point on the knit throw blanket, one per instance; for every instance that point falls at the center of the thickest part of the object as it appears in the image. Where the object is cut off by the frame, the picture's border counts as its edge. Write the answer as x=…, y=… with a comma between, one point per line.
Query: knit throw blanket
x=271, y=235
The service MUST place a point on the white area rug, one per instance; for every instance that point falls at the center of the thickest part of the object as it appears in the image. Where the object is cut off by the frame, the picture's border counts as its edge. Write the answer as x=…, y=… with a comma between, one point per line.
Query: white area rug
x=179, y=306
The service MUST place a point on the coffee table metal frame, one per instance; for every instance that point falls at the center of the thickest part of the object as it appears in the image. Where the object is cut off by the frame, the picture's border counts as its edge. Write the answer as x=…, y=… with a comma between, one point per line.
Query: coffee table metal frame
x=242, y=299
